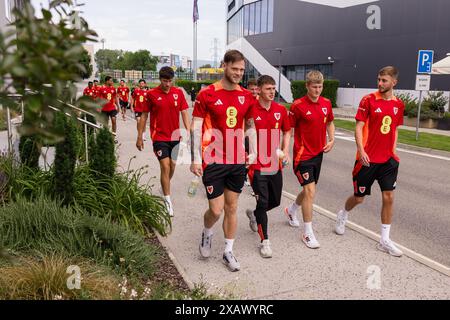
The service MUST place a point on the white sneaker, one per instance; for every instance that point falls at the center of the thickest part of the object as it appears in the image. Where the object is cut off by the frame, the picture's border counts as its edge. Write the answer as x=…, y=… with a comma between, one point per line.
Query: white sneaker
x=265, y=250
x=230, y=261
x=310, y=241
x=389, y=247
x=247, y=183
x=342, y=217
x=252, y=220
x=205, y=245
x=292, y=218
x=169, y=208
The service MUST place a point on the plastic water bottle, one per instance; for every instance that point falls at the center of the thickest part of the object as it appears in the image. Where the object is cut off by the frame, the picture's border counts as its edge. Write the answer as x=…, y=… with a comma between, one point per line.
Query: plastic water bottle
x=193, y=186
x=280, y=155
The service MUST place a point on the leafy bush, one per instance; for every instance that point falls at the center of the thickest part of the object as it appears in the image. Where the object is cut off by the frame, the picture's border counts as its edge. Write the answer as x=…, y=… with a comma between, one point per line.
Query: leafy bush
x=30, y=151
x=409, y=101
x=45, y=278
x=123, y=200
x=188, y=84
x=330, y=88
x=436, y=102
x=43, y=225
x=103, y=159
x=65, y=159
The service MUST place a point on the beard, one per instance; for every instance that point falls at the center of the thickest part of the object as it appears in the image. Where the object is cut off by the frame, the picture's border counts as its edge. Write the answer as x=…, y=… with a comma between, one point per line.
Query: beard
x=230, y=79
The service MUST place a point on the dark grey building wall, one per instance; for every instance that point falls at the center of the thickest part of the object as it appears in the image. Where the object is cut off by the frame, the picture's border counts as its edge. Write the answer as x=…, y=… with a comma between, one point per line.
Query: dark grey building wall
x=310, y=33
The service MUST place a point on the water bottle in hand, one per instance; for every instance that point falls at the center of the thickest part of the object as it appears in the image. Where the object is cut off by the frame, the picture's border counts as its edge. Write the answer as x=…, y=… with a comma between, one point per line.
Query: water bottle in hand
x=192, y=191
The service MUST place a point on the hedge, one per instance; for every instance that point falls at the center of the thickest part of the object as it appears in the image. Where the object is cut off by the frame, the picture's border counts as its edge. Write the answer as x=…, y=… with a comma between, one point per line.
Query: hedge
x=330, y=88
x=188, y=84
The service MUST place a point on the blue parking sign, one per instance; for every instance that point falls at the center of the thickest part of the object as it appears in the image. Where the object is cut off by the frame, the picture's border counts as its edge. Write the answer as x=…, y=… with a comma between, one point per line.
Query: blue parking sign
x=425, y=61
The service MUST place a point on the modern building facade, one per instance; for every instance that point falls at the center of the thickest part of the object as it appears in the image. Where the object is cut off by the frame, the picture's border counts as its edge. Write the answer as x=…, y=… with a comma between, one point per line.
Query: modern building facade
x=6, y=8
x=348, y=40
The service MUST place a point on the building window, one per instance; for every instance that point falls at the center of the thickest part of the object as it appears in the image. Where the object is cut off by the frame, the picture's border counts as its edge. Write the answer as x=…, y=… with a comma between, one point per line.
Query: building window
x=294, y=73
x=251, y=19
x=231, y=6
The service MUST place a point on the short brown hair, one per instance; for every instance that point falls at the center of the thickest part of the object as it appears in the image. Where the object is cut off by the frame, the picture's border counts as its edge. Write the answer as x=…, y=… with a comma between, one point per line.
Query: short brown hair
x=389, y=71
x=166, y=73
x=232, y=56
x=314, y=77
x=265, y=79
x=252, y=82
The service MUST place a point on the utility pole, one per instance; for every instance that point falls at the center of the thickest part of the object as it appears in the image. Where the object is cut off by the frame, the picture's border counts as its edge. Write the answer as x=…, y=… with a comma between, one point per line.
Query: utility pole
x=215, y=49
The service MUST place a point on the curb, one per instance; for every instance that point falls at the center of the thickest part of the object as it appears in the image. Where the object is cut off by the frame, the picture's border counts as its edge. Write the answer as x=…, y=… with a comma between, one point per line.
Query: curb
x=177, y=265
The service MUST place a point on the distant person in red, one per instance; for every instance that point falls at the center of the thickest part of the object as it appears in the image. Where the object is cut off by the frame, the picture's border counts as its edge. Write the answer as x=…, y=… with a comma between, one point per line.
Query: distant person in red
x=97, y=88
x=90, y=91
x=111, y=107
x=165, y=104
x=124, y=94
x=139, y=101
x=377, y=121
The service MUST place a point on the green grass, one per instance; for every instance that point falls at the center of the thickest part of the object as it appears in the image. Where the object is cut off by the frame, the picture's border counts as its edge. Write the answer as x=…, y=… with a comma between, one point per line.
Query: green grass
x=426, y=140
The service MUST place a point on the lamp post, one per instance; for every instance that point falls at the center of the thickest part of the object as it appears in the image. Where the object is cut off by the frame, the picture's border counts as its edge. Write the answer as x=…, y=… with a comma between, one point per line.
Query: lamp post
x=279, y=73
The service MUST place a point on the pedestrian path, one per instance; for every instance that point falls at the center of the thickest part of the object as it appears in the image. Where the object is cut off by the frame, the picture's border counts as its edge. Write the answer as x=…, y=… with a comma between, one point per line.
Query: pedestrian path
x=345, y=267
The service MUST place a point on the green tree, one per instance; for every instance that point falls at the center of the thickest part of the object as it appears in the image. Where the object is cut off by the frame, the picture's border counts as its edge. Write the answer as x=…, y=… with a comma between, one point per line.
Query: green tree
x=42, y=55
x=139, y=60
x=206, y=66
x=85, y=61
x=103, y=159
x=30, y=151
x=107, y=59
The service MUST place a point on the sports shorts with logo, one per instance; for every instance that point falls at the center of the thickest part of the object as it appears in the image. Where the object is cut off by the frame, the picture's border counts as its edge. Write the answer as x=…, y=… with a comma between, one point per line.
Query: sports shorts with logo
x=111, y=113
x=385, y=173
x=267, y=187
x=217, y=177
x=309, y=171
x=123, y=104
x=166, y=149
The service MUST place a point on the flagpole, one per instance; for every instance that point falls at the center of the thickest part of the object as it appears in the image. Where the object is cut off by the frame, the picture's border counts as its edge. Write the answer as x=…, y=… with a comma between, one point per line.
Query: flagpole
x=194, y=67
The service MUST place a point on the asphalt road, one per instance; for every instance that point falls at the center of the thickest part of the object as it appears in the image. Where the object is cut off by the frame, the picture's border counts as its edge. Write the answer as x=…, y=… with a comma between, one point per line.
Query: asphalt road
x=422, y=199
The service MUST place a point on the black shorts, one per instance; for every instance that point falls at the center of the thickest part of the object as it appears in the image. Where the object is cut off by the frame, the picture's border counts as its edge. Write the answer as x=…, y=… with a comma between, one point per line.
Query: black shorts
x=217, y=177
x=138, y=114
x=111, y=113
x=267, y=188
x=166, y=149
x=309, y=171
x=124, y=104
x=385, y=173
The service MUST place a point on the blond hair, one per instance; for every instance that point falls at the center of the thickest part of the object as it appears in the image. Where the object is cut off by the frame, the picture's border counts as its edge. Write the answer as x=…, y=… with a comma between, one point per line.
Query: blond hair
x=314, y=77
x=389, y=71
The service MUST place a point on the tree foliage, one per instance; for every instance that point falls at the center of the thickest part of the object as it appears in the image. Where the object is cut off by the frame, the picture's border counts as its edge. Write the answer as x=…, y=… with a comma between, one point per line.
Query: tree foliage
x=85, y=60
x=125, y=60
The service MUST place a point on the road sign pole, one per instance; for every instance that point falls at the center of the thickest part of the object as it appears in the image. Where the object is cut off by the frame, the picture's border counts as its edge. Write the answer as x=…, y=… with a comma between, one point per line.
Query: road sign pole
x=418, y=116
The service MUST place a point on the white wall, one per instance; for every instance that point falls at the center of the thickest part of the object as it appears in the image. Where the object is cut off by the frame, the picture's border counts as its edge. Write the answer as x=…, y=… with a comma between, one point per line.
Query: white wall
x=350, y=97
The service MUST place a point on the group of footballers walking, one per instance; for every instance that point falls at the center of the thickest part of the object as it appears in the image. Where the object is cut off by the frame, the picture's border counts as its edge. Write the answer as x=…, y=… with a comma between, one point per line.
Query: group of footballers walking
x=225, y=114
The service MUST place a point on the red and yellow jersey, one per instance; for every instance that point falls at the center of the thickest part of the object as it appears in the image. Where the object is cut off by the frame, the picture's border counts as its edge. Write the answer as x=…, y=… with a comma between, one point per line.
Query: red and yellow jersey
x=310, y=120
x=123, y=93
x=165, y=111
x=140, y=100
x=223, y=112
x=97, y=90
x=89, y=92
x=269, y=125
x=381, y=119
x=108, y=94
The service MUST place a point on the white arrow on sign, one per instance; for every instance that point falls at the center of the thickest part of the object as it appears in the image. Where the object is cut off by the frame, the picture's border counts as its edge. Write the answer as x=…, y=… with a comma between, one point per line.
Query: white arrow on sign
x=340, y=3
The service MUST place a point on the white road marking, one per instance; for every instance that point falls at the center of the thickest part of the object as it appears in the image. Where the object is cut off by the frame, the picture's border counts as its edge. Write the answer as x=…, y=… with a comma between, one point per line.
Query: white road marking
x=351, y=139
x=375, y=236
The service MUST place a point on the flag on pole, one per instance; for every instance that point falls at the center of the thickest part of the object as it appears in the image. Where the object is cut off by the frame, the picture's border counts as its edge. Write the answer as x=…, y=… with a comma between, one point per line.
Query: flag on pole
x=195, y=14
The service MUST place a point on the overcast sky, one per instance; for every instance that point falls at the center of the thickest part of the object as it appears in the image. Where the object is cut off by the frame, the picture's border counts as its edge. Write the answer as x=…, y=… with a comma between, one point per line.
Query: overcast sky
x=160, y=26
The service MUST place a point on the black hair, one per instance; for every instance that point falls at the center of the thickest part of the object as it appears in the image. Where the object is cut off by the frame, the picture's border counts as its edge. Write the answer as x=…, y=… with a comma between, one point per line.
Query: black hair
x=166, y=73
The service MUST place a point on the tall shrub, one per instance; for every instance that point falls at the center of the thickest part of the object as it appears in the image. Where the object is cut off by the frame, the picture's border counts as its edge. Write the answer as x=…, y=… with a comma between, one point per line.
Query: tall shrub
x=103, y=159
x=30, y=151
x=330, y=88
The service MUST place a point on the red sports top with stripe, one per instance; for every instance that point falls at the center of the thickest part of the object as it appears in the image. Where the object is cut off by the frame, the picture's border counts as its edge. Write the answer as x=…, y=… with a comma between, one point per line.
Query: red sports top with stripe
x=269, y=124
x=310, y=121
x=109, y=94
x=381, y=119
x=223, y=112
x=123, y=93
x=140, y=100
x=165, y=111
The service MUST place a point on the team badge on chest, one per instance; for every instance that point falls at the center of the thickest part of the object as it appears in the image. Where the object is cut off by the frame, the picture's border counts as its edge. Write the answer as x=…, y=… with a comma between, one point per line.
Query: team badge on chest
x=241, y=99
x=277, y=116
x=325, y=111
x=395, y=110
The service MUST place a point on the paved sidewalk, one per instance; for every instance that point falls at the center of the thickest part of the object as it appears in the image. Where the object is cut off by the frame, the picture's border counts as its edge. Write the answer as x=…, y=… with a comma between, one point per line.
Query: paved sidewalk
x=341, y=269
x=349, y=114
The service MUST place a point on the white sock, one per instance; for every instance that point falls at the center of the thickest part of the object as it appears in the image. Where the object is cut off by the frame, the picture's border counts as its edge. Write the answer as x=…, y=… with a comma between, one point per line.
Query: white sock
x=208, y=232
x=167, y=198
x=385, y=229
x=345, y=212
x=308, y=228
x=293, y=208
x=229, y=245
